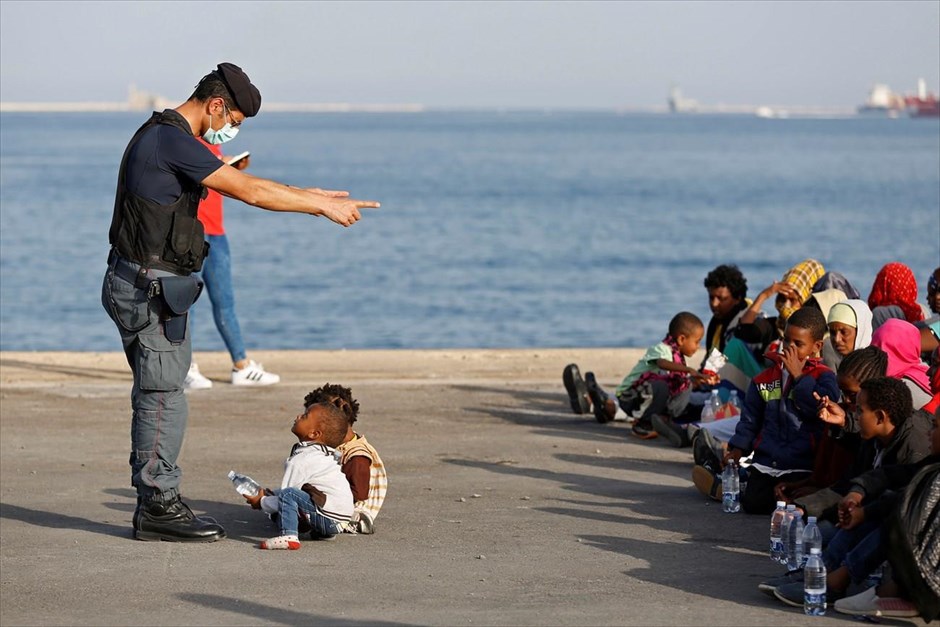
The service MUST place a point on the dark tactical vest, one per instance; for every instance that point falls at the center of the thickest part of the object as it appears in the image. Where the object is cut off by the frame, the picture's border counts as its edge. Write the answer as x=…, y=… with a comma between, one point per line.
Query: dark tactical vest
x=166, y=237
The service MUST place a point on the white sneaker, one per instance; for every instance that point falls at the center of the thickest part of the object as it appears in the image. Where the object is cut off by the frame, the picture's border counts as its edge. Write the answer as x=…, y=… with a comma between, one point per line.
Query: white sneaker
x=195, y=381
x=868, y=603
x=253, y=374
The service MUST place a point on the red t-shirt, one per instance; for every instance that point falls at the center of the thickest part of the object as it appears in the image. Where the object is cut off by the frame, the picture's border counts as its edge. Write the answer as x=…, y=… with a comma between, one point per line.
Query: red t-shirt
x=210, y=209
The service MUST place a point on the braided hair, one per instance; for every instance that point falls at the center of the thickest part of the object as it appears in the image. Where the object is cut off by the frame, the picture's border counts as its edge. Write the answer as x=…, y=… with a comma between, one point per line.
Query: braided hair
x=864, y=363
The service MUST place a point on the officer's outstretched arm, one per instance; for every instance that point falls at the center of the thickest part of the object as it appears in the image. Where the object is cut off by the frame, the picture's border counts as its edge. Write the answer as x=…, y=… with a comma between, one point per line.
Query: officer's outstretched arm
x=274, y=196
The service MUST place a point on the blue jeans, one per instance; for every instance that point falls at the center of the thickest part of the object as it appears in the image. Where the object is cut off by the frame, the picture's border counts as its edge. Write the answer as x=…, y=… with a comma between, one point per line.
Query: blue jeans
x=293, y=502
x=217, y=275
x=860, y=550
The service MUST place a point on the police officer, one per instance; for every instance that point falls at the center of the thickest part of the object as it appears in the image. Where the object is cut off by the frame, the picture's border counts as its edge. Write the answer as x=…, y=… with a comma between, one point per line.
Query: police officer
x=156, y=244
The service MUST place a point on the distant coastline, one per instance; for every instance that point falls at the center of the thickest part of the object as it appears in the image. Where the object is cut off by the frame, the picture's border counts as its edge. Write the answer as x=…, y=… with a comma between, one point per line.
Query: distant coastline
x=141, y=100
x=780, y=111
x=97, y=107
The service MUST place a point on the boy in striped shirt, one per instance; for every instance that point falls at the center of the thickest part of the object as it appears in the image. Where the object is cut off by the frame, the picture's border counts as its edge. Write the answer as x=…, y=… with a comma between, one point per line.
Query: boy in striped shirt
x=360, y=461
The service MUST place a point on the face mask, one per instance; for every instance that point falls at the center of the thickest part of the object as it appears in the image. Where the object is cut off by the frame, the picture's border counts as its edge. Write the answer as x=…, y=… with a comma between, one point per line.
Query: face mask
x=224, y=134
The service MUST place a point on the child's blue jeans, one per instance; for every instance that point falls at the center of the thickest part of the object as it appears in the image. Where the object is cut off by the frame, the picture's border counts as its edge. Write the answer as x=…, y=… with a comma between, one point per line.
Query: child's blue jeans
x=293, y=502
x=860, y=549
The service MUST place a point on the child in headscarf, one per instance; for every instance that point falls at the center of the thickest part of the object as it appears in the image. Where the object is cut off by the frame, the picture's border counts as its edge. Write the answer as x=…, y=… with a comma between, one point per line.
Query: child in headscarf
x=894, y=295
x=850, y=329
x=901, y=340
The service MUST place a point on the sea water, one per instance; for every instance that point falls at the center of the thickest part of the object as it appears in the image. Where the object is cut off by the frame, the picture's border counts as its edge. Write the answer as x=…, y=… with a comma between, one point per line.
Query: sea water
x=513, y=229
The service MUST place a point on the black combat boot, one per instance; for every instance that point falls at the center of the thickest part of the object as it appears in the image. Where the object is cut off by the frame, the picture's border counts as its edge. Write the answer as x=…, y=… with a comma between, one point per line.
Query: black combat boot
x=173, y=522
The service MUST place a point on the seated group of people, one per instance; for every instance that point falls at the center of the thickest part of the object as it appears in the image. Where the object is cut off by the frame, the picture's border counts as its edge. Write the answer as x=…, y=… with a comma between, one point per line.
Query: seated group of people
x=840, y=417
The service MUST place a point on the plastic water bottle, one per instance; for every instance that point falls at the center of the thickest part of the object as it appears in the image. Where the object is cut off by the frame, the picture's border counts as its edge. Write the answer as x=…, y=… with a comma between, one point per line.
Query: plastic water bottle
x=776, y=520
x=795, y=551
x=715, y=401
x=812, y=538
x=244, y=484
x=708, y=414
x=814, y=585
x=785, y=533
x=735, y=403
x=730, y=488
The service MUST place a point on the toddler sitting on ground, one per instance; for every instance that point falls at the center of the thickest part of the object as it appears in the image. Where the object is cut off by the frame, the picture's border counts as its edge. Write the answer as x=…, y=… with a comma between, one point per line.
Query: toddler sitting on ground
x=314, y=488
x=360, y=461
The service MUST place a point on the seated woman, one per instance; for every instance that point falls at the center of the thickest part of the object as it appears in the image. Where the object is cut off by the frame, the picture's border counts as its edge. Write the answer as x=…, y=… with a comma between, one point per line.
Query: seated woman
x=894, y=295
x=850, y=329
x=901, y=341
x=762, y=334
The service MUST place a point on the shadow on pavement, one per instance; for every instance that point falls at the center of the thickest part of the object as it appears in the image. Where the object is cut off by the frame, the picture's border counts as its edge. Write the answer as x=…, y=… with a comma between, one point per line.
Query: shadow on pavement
x=83, y=371
x=680, y=535
x=270, y=613
x=550, y=414
x=58, y=520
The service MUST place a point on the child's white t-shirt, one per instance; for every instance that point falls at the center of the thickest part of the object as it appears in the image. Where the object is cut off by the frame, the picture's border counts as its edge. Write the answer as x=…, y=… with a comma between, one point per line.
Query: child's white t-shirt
x=318, y=465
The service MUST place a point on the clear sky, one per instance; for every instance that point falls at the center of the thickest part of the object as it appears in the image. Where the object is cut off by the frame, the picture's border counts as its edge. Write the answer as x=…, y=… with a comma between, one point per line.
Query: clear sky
x=474, y=54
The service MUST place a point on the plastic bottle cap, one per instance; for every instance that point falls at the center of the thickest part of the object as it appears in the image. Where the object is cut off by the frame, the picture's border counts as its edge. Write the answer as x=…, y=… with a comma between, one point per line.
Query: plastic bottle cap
x=781, y=503
x=815, y=551
x=811, y=519
x=791, y=507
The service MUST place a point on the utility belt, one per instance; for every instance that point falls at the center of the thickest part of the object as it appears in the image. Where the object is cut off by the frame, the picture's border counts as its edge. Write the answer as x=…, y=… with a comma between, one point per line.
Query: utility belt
x=177, y=293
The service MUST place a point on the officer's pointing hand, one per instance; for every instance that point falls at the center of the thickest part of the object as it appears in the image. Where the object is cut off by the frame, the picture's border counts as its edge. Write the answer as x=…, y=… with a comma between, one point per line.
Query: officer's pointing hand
x=346, y=211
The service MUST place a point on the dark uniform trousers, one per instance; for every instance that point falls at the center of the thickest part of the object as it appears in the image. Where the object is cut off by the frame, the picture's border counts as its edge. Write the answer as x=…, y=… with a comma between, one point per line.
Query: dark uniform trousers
x=160, y=410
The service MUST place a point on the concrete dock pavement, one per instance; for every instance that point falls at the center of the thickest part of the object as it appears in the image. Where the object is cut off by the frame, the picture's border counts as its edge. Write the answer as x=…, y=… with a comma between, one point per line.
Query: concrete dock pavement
x=504, y=508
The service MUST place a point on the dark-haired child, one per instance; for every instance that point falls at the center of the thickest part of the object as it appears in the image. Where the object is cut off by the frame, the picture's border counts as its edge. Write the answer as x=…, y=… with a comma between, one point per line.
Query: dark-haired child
x=359, y=461
x=313, y=488
x=661, y=380
x=889, y=513
x=779, y=421
x=891, y=433
x=840, y=441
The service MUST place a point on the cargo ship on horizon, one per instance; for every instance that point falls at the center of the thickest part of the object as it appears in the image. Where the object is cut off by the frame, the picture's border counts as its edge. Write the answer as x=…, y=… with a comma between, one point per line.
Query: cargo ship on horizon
x=884, y=102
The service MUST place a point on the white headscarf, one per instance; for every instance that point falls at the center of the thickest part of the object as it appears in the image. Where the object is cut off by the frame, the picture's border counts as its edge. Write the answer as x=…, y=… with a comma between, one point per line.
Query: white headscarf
x=854, y=313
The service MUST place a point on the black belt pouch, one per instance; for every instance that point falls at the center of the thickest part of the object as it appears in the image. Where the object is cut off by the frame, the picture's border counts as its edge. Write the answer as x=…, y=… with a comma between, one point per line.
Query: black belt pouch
x=179, y=293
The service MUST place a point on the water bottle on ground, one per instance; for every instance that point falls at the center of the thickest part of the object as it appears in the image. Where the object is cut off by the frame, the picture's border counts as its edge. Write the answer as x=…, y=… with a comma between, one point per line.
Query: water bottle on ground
x=244, y=484
x=714, y=401
x=785, y=533
x=812, y=538
x=814, y=585
x=776, y=521
x=795, y=551
x=735, y=403
x=730, y=488
x=708, y=414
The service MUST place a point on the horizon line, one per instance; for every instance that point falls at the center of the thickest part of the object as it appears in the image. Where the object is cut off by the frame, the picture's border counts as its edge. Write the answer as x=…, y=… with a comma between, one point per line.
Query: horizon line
x=344, y=107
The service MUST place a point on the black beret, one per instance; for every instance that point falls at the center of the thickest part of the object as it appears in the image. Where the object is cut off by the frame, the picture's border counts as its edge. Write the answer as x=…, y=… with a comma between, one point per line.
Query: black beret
x=246, y=96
